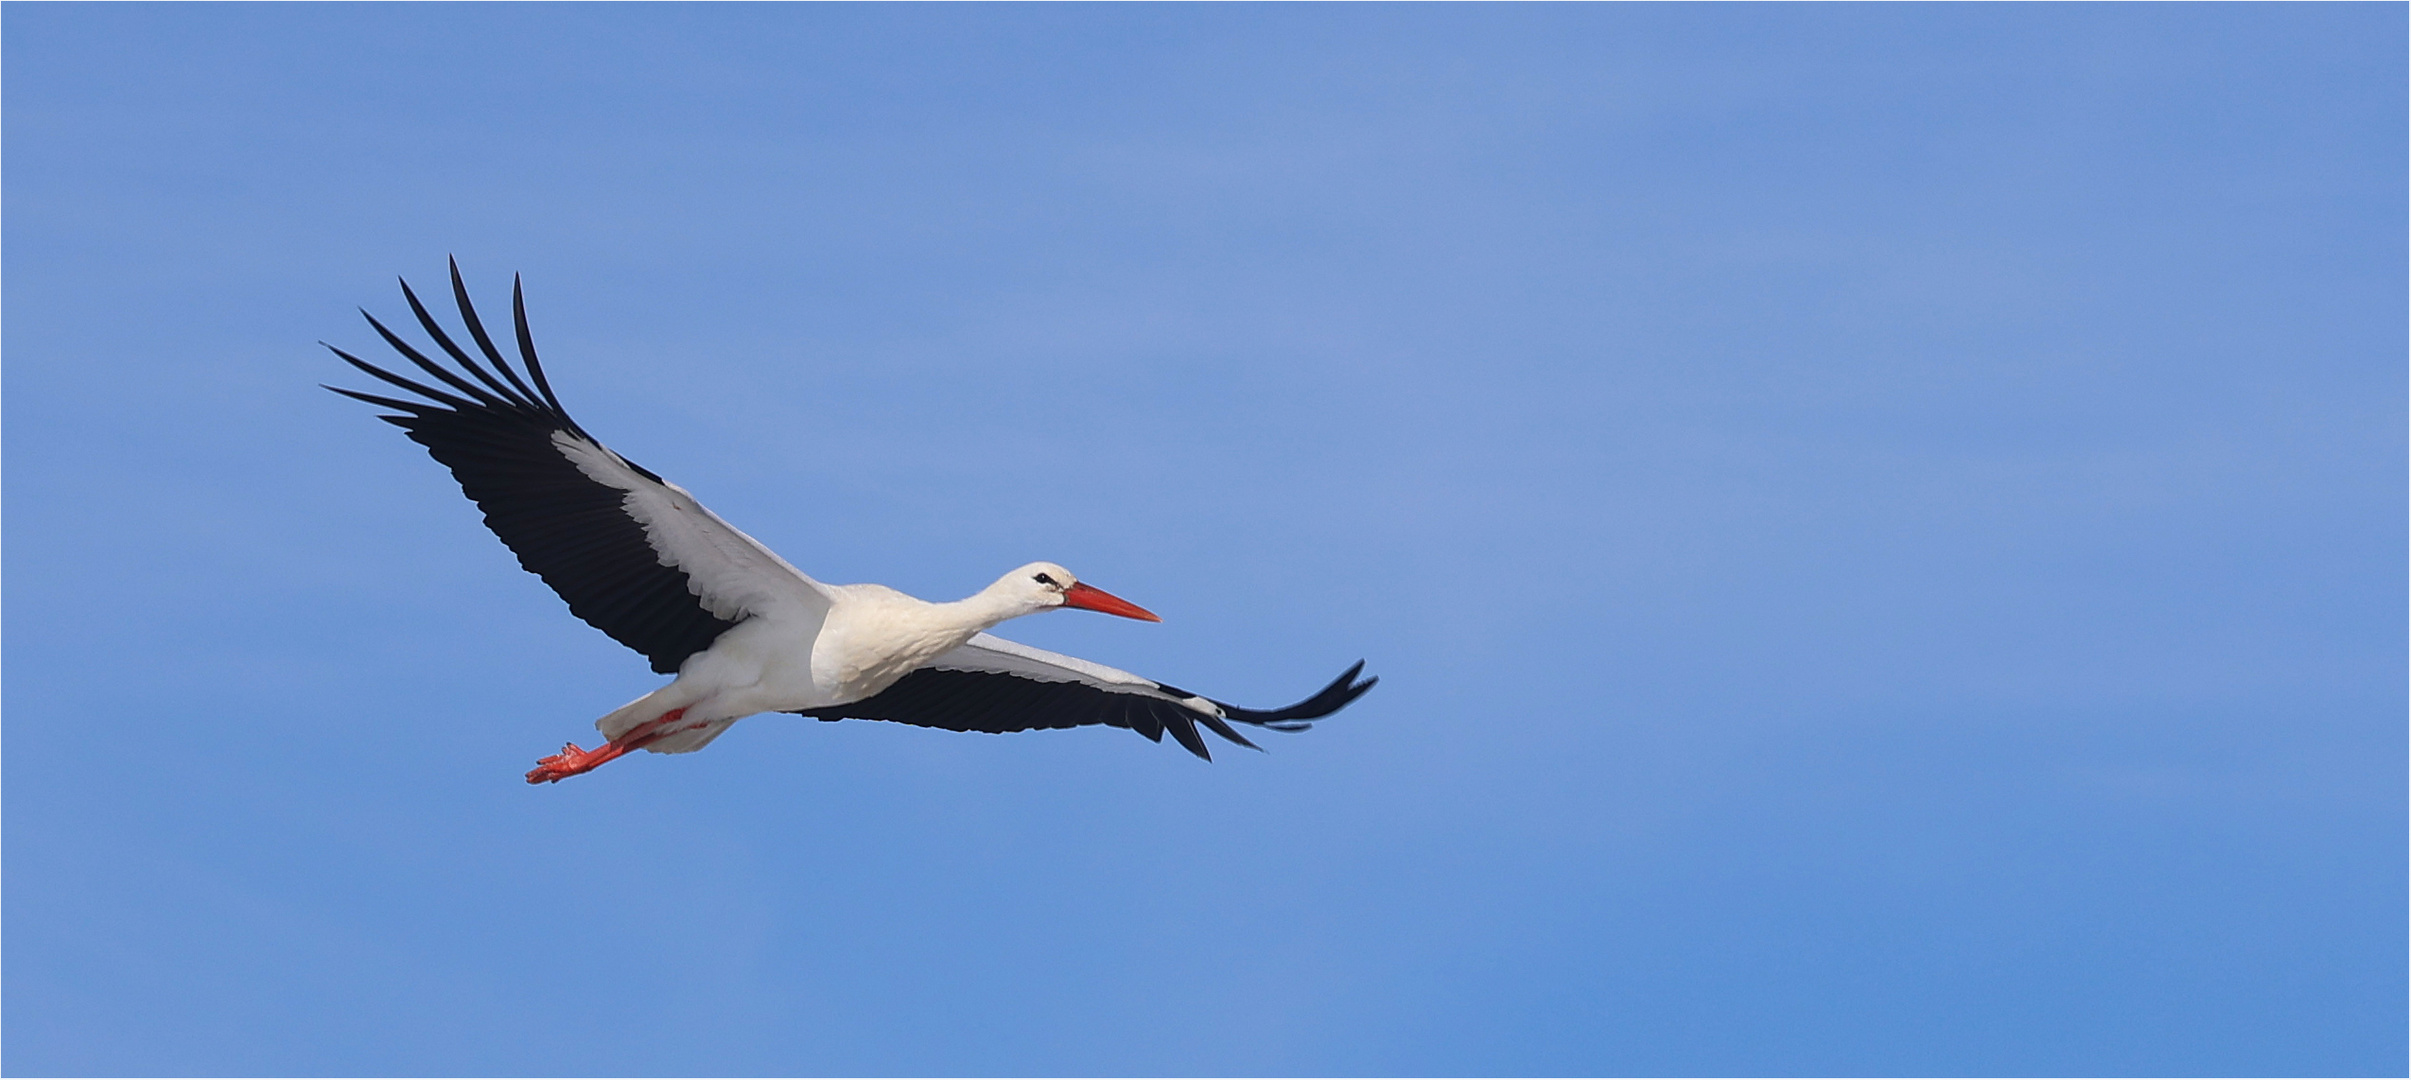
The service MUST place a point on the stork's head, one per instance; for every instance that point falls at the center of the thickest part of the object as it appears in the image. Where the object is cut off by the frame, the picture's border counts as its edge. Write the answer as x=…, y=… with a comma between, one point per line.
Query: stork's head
x=1043, y=585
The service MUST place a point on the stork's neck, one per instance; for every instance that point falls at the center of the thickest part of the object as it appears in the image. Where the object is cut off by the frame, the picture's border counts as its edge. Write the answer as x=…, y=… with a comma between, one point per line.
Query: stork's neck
x=991, y=606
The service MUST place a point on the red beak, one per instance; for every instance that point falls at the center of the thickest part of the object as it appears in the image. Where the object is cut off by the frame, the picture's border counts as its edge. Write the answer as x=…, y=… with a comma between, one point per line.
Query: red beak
x=1091, y=598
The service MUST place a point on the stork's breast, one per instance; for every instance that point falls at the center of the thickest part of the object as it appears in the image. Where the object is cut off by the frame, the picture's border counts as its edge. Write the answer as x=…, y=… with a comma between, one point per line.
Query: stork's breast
x=852, y=664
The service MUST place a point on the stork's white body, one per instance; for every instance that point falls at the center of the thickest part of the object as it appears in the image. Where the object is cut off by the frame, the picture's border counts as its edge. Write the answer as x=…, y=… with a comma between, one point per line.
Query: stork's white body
x=870, y=637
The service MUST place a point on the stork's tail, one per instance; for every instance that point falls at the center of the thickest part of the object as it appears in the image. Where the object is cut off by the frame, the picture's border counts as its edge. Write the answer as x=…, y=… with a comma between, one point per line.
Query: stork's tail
x=683, y=734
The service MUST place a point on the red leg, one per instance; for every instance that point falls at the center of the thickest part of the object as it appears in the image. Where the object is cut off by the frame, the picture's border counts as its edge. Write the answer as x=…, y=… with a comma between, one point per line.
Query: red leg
x=571, y=761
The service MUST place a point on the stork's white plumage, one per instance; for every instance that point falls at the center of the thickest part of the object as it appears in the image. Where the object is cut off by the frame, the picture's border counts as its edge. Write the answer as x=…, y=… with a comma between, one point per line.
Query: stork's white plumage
x=639, y=559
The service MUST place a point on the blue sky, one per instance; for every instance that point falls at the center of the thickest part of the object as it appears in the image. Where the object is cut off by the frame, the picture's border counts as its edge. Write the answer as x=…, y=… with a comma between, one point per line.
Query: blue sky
x=1881, y=529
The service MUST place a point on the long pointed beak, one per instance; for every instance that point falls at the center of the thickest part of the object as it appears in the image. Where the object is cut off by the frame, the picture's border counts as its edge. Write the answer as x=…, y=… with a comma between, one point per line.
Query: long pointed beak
x=1091, y=598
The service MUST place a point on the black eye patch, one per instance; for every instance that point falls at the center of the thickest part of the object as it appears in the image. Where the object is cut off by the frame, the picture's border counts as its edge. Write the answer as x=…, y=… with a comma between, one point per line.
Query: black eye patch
x=1045, y=580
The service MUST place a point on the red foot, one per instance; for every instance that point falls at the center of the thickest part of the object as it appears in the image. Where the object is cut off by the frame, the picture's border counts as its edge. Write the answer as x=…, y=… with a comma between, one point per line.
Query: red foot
x=571, y=761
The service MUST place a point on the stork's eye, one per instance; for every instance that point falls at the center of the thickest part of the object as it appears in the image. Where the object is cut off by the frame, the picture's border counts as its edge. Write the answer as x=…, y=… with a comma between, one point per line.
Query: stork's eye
x=1045, y=580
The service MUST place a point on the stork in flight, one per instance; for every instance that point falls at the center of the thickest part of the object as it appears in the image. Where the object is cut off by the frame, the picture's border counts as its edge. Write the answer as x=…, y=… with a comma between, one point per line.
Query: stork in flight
x=639, y=559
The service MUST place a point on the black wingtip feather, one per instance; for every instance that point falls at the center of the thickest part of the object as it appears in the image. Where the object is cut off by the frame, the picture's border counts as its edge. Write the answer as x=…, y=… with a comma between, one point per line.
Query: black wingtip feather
x=485, y=343
x=1299, y=717
x=414, y=387
x=1183, y=729
x=415, y=408
x=527, y=350
x=444, y=341
x=431, y=367
x=1219, y=728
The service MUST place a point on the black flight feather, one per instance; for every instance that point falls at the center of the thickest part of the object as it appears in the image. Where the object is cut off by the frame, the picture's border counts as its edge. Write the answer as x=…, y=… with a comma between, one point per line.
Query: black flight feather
x=567, y=528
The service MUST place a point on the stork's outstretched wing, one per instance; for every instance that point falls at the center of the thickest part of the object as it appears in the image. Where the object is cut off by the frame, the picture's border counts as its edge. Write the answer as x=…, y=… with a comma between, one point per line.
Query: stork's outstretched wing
x=634, y=555
x=994, y=685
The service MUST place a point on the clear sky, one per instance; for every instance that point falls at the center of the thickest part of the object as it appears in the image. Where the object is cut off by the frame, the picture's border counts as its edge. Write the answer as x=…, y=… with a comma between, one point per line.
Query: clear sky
x=1881, y=530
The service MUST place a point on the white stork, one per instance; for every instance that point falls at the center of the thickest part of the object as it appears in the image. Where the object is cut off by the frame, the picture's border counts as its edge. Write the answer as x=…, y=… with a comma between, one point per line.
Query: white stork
x=639, y=559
